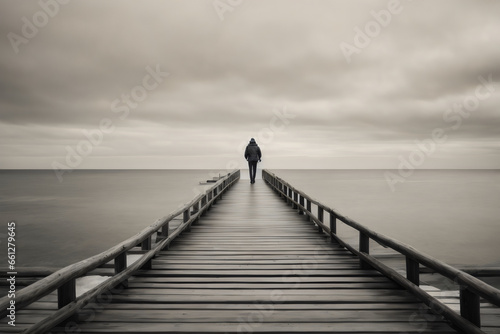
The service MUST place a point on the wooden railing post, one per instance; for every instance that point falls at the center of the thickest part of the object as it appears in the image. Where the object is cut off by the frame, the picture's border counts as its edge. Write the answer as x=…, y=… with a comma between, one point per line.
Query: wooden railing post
x=121, y=265
x=301, y=202
x=309, y=210
x=215, y=195
x=333, y=226
x=204, y=202
x=146, y=246
x=364, y=247
x=66, y=293
x=186, y=217
x=196, y=207
x=295, y=200
x=413, y=271
x=164, y=233
x=320, y=218
x=209, y=196
x=470, y=307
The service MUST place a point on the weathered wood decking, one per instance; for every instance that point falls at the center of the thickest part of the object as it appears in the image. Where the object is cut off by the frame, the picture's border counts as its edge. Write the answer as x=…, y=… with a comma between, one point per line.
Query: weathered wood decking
x=252, y=264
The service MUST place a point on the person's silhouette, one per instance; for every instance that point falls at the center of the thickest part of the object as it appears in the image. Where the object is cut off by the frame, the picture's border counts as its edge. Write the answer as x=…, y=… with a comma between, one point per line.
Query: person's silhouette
x=253, y=155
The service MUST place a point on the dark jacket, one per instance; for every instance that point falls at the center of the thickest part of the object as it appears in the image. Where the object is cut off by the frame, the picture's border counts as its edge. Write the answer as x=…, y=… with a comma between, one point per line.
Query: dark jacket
x=252, y=152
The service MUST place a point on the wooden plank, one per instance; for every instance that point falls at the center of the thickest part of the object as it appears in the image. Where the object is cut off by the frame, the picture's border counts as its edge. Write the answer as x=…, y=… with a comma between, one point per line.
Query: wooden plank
x=257, y=267
x=282, y=286
x=260, y=261
x=257, y=273
x=258, y=280
x=264, y=298
x=258, y=327
x=253, y=306
x=252, y=252
x=209, y=256
x=276, y=316
x=217, y=246
x=364, y=293
x=270, y=265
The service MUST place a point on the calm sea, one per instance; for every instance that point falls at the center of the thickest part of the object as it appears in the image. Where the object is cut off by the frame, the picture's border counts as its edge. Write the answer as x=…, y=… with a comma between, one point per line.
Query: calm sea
x=59, y=223
x=453, y=215
x=450, y=214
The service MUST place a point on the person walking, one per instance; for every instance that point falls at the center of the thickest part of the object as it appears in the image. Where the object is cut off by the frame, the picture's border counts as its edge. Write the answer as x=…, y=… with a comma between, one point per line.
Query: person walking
x=253, y=155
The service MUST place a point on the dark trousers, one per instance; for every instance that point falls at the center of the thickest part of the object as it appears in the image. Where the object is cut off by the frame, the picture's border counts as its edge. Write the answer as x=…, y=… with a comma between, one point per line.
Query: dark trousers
x=252, y=167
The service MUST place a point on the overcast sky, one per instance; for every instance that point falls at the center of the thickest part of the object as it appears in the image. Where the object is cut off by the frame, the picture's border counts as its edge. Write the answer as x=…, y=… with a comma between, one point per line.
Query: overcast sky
x=186, y=84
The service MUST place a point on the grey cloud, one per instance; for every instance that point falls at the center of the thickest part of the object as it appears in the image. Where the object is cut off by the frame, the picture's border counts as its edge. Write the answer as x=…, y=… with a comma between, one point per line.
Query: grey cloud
x=228, y=76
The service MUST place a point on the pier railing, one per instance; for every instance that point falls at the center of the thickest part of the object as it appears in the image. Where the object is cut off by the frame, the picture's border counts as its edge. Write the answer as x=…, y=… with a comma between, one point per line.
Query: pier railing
x=152, y=240
x=471, y=288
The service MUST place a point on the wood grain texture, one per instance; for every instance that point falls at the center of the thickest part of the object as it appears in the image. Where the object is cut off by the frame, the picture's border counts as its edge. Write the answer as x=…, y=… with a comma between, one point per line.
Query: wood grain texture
x=251, y=264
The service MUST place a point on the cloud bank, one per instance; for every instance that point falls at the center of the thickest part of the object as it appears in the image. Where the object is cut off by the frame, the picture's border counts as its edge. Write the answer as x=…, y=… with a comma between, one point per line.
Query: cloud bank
x=80, y=72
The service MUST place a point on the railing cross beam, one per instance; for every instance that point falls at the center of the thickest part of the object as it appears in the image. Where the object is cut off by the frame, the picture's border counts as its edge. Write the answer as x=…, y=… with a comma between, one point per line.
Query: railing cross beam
x=472, y=289
x=64, y=280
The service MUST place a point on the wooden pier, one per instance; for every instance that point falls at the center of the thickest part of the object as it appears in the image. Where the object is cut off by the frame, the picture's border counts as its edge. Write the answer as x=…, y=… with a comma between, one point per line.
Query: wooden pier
x=240, y=260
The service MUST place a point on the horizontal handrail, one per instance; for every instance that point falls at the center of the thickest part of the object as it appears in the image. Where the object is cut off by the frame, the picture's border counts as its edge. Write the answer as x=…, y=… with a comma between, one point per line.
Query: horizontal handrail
x=66, y=276
x=471, y=287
